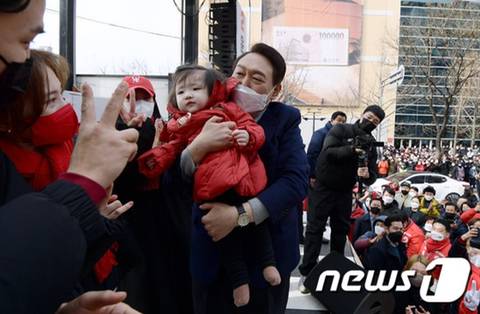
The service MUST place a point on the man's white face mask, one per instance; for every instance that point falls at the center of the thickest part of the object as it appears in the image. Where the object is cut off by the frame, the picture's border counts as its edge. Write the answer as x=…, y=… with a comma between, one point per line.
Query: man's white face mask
x=249, y=100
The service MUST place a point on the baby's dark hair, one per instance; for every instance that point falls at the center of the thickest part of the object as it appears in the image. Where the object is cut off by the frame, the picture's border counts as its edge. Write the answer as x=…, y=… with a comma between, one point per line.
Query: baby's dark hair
x=184, y=71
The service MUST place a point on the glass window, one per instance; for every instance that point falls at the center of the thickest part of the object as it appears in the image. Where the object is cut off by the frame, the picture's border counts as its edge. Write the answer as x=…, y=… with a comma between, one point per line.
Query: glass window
x=417, y=179
x=117, y=37
x=436, y=179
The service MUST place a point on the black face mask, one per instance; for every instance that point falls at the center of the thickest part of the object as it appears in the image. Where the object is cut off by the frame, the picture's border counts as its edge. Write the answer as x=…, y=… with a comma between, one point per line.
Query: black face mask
x=375, y=210
x=14, y=80
x=395, y=237
x=404, y=192
x=450, y=216
x=366, y=125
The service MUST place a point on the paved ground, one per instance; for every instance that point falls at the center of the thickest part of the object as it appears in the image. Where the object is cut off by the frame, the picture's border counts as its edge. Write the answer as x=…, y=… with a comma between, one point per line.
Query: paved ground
x=299, y=303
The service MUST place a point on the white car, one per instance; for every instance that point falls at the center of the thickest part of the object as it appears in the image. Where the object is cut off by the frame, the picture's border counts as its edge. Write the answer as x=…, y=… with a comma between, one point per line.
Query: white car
x=445, y=187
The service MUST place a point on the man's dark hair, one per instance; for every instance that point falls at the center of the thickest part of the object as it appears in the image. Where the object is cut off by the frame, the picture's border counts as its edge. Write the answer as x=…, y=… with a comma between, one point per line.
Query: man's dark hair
x=13, y=6
x=338, y=113
x=389, y=190
x=279, y=67
x=395, y=216
x=414, y=188
x=451, y=204
x=444, y=222
x=429, y=189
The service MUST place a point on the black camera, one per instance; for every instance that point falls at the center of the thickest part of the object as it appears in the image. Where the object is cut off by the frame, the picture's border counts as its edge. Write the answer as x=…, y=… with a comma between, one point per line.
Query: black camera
x=365, y=143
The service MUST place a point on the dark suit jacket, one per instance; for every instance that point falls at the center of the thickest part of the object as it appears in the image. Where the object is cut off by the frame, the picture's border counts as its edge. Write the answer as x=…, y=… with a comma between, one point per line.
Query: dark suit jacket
x=362, y=225
x=316, y=145
x=286, y=165
x=383, y=256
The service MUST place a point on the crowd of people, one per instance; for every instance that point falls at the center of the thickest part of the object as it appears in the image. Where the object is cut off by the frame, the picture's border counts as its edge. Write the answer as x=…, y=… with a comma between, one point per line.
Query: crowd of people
x=460, y=162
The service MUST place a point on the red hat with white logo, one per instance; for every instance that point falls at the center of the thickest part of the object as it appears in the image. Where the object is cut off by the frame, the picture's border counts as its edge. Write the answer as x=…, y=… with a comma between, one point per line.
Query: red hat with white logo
x=140, y=82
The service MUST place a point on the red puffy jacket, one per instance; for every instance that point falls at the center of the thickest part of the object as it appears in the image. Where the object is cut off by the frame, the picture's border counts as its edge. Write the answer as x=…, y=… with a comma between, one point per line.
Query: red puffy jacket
x=237, y=167
x=413, y=238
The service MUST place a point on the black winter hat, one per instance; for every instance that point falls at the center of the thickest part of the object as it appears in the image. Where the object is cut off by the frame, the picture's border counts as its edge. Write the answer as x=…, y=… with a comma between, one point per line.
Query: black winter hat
x=377, y=110
x=429, y=189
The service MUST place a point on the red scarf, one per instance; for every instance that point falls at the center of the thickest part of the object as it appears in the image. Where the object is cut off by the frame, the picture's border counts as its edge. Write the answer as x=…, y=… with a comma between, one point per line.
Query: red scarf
x=49, y=157
x=39, y=167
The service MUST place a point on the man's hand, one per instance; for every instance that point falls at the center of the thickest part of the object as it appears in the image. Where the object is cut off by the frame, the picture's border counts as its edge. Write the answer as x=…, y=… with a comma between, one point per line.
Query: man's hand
x=220, y=220
x=241, y=136
x=111, y=207
x=97, y=302
x=363, y=172
x=215, y=135
x=472, y=297
x=102, y=152
x=158, y=130
x=472, y=233
x=129, y=115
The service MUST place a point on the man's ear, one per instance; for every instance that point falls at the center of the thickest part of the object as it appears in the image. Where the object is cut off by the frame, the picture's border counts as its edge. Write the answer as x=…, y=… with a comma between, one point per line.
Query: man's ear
x=276, y=91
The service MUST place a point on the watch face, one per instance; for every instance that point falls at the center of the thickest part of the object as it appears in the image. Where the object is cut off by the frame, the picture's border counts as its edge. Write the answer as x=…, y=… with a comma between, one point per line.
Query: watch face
x=243, y=220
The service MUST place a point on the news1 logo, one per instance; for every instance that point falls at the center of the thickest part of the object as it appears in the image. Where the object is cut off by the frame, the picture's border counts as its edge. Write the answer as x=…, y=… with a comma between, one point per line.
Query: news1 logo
x=450, y=286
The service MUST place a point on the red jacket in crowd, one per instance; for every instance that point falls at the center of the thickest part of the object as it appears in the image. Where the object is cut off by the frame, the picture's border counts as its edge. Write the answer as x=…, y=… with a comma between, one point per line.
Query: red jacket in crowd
x=413, y=237
x=432, y=249
x=237, y=167
x=468, y=215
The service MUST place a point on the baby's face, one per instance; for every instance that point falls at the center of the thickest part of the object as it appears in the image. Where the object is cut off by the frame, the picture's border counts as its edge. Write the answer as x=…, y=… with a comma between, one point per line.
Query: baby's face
x=192, y=94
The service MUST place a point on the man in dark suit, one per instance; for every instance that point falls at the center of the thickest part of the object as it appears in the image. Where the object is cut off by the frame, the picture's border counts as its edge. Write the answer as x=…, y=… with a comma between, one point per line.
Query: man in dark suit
x=389, y=253
x=365, y=223
x=262, y=70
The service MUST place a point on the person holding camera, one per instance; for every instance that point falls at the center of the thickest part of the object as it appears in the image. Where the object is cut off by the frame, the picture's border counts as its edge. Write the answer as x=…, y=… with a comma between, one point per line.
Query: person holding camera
x=348, y=155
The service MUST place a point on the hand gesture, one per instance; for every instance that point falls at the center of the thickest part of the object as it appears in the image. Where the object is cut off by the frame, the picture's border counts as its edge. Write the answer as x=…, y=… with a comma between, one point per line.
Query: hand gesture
x=111, y=208
x=241, y=136
x=158, y=130
x=472, y=233
x=472, y=297
x=129, y=115
x=101, y=151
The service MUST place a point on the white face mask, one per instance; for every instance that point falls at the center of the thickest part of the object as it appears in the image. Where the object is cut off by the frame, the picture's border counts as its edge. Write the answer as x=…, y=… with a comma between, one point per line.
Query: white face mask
x=414, y=205
x=144, y=107
x=387, y=199
x=249, y=100
x=412, y=193
x=379, y=230
x=428, y=227
x=475, y=260
x=437, y=236
x=429, y=197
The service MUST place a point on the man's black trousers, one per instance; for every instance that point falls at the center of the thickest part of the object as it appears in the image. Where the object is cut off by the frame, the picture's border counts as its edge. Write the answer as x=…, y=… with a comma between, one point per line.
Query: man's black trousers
x=325, y=202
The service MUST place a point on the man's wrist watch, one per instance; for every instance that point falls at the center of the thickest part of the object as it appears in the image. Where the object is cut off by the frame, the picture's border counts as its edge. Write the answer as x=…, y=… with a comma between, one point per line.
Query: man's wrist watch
x=243, y=219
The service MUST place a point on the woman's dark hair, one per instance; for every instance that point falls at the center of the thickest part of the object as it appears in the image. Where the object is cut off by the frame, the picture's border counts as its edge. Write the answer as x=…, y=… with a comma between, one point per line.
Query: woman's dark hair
x=17, y=117
x=184, y=71
x=13, y=6
x=279, y=67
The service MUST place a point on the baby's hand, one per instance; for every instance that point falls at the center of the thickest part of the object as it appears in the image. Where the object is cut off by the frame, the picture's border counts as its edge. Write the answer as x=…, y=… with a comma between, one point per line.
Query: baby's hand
x=183, y=120
x=241, y=136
